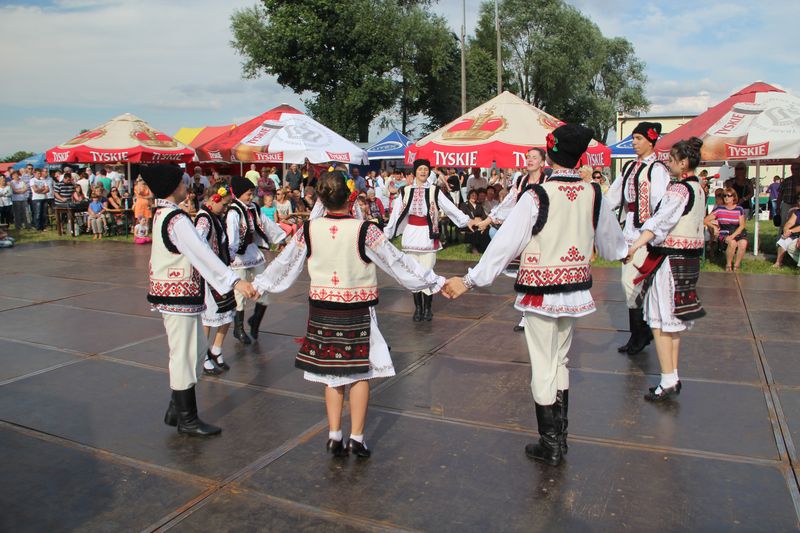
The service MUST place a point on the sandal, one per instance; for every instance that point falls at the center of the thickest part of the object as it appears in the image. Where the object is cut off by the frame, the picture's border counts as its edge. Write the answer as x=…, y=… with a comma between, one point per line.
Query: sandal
x=728, y=269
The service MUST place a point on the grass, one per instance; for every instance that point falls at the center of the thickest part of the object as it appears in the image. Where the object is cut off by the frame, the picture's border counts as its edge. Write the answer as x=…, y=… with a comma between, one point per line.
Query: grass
x=31, y=235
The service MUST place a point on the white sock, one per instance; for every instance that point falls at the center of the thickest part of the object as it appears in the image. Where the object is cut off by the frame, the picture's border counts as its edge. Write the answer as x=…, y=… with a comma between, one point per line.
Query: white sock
x=207, y=364
x=668, y=380
x=522, y=321
x=335, y=435
x=359, y=438
x=216, y=350
x=675, y=374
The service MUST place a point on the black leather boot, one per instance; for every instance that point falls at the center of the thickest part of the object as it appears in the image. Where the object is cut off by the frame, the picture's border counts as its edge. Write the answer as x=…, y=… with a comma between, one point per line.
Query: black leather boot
x=171, y=416
x=417, y=307
x=640, y=332
x=188, y=421
x=238, y=328
x=632, y=327
x=255, y=321
x=427, y=307
x=562, y=401
x=548, y=449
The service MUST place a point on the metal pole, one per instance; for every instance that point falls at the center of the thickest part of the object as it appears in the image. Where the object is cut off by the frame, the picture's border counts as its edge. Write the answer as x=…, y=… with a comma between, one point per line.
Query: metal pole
x=499, y=61
x=463, y=58
x=758, y=205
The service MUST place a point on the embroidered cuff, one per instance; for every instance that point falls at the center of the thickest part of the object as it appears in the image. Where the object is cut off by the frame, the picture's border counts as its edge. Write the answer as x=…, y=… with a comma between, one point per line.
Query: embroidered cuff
x=468, y=283
x=436, y=287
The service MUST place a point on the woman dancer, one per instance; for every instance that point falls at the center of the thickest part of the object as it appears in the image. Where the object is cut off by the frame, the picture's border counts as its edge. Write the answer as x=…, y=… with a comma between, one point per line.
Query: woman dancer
x=415, y=214
x=674, y=238
x=343, y=345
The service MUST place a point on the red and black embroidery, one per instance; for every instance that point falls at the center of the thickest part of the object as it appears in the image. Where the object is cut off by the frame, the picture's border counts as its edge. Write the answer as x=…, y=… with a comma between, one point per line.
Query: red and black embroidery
x=336, y=341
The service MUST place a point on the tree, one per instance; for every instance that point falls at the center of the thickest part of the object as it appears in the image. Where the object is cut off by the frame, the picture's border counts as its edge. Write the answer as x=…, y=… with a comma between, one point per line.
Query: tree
x=18, y=156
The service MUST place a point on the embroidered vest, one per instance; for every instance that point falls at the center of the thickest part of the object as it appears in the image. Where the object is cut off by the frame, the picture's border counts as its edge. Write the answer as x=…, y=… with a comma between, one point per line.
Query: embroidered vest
x=558, y=256
x=686, y=238
x=342, y=276
x=641, y=181
x=217, y=237
x=432, y=205
x=173, y=279
x=249, y=225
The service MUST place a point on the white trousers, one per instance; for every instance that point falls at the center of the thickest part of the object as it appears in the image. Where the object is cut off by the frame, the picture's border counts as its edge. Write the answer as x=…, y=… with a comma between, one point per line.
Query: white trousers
x=249, y=274
x=426, y=260
x=548, y=341
x=629, y=273
x=186, y=343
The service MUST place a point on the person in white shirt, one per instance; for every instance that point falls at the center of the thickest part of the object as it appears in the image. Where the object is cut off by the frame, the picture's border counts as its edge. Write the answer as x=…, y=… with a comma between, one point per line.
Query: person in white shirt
x=477, y=181
x=39, y=190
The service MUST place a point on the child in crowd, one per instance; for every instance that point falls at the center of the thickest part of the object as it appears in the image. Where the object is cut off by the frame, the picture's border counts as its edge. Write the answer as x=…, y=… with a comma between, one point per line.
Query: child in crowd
x=140, y=232
x=97, y=217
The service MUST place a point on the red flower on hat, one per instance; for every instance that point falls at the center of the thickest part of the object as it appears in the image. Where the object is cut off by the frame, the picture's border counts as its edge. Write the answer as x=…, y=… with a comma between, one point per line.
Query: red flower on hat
x=353, y=196
x=552, y=142
x=216, y=198
x=652, y=134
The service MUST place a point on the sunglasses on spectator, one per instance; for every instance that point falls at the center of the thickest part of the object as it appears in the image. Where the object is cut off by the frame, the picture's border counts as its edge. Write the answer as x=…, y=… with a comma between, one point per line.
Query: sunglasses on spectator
x=728, y=195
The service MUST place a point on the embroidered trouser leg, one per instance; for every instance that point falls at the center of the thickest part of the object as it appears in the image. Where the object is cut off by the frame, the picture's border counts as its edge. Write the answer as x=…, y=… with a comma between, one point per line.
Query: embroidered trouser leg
x=426, y=260
x=186, y=341
x=249, y=274
x=629, y=272
x=548, y=341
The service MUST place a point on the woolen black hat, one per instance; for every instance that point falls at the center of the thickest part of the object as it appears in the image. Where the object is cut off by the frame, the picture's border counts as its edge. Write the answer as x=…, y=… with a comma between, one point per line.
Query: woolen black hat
x=240, y=185
x=162, y=179
x=421, y=162
x=566, y=144
x=648, y=130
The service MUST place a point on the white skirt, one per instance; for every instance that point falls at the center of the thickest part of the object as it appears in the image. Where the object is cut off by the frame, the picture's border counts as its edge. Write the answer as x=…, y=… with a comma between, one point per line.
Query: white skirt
x=418, y=239
x=380, y=361
x=790, y=245
x=659, y=302
x=211, y=317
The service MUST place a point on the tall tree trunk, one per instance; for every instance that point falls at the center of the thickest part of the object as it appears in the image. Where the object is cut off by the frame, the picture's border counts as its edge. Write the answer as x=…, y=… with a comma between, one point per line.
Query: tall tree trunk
x=363, y=127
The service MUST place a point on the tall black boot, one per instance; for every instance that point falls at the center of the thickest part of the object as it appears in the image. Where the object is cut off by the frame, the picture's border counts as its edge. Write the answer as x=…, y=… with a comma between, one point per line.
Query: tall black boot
x=255, y=320
x=238, y=328
x=188, y=421
x=641, y=333
x=562, y=403
x=632, y=327
x=548, y=449
x=427, y=307
x=171, y=416
x=417, y=307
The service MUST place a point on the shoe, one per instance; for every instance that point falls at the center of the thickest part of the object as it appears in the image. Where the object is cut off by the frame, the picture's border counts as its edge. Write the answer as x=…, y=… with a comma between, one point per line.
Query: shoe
x=336, y=448
x=417, y=307
x=640, y=332
x=678, y=388
x=358, y=449
x=427, y=307
x=659, y=395
x=238, y=328
x=215, y=359
x=171, y=416
x=255, y=321
x=548, y=449
x=631, y=321
x=562, y=401
x=215, y=370
x=188, y=421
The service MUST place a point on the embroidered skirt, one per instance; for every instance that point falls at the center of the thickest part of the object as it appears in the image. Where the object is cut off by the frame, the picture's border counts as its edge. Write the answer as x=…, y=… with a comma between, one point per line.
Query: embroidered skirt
x=670, y=300
x=336, y=341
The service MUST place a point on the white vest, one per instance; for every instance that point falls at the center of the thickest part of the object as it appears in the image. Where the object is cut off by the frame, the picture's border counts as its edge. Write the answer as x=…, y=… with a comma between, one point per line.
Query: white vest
x=686, y=238
x=341, y=273
x=174, y=282
x=558, y=256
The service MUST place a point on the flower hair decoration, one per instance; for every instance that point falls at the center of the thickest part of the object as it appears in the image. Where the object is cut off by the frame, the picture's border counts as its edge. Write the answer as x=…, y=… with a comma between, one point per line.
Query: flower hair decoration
x=221, y=193
x=552, y=142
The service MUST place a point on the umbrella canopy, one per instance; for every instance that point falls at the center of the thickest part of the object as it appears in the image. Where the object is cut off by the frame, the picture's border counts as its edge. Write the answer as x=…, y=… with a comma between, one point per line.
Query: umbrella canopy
x=758, y=123
x=393, y=146
x=38, y=161
x=624, y=148
x=500, y=131
x=126, y=139
x=281, y=135
x=195, y=137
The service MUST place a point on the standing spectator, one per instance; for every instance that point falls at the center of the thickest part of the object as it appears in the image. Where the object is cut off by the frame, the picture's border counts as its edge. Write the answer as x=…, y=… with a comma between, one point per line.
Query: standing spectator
x=476, y=181
x=90, y=175
x=585, y=173
x=476, y=241
x=39, y=192
x=51, y=195
x=97, y=219
x=6, y=211
x=84, y=183
x=454, y=186
x=774, y=190
x=144, y=200
x=251, y=174
x=787, y=195
x=293, y=178
x=104, y=180
x=273, y=175
x=743, y=188
x=114, y=176
x=730, y=217
x=358, y=180
x=198, y=189
x=19, y=201
x=264, y=187
x=198, y=173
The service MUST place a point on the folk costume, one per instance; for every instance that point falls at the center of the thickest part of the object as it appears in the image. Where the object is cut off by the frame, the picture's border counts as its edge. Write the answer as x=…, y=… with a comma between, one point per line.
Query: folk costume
x=181, y=262
x=553, y=228
x=248, y=231
x=415, y=215
x=638, y=192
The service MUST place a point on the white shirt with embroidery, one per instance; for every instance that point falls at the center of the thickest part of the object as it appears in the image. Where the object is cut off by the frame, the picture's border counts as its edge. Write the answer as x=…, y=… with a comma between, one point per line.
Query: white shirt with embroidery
x=252, y=255
x=669, y=213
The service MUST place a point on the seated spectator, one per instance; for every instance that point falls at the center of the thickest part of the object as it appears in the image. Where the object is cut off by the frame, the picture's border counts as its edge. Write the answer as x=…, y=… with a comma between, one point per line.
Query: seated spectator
x=309, y=198
x=141, y=231
x=5, y=239
x=268, y=209
x=476, y=241
x=297, y=202
x=490, y=201
x=731, y=220
x=586, y=173
x=787, y=240
x=189, y=204
x=375, y=208
x=97, y=219
x=283, y=209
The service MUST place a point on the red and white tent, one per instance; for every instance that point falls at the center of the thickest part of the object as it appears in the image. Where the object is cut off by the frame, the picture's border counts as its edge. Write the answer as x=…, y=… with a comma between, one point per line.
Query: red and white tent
x=498, y=132
x=124, y=139
x=281, y=135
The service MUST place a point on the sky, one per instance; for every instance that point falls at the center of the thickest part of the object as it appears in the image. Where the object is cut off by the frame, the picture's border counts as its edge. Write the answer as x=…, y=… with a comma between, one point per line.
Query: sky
x=73, y=64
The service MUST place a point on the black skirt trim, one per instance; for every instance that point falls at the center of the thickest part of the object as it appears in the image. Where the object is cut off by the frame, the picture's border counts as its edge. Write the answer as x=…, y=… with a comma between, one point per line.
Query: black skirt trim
x=331, y=370
x=662, y=250
x=692, y=316
x=341, y=305
x=544, y=208
x=554, y=289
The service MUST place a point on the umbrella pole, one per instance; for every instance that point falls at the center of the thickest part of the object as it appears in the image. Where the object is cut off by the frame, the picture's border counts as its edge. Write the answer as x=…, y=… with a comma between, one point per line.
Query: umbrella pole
x=130, y=188
x=758, y=205
x=241, y=168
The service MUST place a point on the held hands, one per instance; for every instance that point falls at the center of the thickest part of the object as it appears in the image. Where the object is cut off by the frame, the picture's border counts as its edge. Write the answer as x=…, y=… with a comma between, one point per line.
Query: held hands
x=629, y=257
x=246, y=289
x=454, y=287
x=473, y=224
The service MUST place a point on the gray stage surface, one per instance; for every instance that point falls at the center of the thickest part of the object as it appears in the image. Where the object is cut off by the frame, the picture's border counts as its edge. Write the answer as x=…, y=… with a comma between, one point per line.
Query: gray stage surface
x=83, y=388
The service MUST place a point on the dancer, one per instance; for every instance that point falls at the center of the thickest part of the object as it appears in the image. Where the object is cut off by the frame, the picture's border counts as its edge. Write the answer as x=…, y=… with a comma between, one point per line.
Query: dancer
x=674, y=238
x=639, y=191
x=220, y=308
x=179, y=262
x=343, y=345
x=415, y=214
x=553, y=228
x=248, y=231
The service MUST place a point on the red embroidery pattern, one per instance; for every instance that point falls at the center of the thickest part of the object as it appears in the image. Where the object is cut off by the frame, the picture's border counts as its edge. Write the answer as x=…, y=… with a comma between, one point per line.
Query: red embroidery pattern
x=678, y=190
x=186, y=287
x=335, y=279
x=571, y=190
x=573, y=256
x=374, y=236
x=547, y=276
x=683, y=243
x=644, y=200
x=332, y=294
x=334, y=229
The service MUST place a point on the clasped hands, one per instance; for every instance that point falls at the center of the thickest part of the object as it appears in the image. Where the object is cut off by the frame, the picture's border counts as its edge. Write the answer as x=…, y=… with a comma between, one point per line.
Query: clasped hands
x=453, y=288
x=246, y=289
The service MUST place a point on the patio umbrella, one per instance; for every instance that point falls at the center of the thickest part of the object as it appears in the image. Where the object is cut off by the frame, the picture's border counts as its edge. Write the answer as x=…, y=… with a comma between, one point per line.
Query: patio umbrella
x=498, y=132
x=38, y=161
x=624, y=148
x=281, y=135
x=195, y=137
x=393, y=146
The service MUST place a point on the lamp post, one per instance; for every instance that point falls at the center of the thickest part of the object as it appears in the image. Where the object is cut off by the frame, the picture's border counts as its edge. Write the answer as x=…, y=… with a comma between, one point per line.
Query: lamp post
x=463, y=59
x=499, y=62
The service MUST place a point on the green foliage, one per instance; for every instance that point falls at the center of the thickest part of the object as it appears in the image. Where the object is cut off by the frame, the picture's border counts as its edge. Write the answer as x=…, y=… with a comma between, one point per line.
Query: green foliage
x=18, y=156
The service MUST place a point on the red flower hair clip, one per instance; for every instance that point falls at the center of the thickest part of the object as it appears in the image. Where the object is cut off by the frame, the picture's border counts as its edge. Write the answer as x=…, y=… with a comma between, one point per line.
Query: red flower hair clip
x=353, y=196
x=552, y=142
x=216, y=198
x=652, y=134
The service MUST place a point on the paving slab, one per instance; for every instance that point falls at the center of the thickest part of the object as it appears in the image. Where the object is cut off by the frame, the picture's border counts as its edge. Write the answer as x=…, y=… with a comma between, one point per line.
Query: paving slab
x=774, y=325
x=42, y=289
x=18, y=359
x=783, y=359
x=127, y=300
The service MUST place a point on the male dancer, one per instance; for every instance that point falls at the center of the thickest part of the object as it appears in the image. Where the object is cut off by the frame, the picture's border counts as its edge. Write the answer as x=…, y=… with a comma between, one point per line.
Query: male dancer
x=248, y=231
x=180, y=261
x=638, y=191
x=553, y=227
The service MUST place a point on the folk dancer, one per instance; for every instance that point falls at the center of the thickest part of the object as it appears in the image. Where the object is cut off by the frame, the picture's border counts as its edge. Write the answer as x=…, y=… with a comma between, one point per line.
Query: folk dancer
x=675, y=240
x=180, y=261
x=415, y=215
x=343, y=345
x=638, y=192
x=552, y=228
x=248, y=231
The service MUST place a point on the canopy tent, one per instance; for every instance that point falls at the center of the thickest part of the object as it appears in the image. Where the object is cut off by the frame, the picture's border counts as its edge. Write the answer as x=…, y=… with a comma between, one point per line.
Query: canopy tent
x=281, y=135
x=624, y=148
x=125, y=139
x=499, y=131
x=393, y=146
x=195, y=137
x=38, y=161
